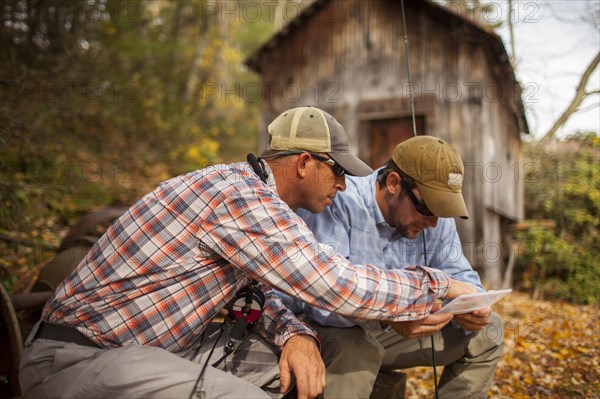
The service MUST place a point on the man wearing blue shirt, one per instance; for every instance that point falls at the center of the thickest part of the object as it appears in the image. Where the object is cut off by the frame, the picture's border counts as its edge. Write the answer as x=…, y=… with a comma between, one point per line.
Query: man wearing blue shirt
x=398, y=216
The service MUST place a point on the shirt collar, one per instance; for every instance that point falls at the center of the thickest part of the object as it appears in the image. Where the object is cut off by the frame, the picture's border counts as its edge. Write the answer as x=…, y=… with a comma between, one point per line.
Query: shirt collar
x=270, y=178
x=366, y=187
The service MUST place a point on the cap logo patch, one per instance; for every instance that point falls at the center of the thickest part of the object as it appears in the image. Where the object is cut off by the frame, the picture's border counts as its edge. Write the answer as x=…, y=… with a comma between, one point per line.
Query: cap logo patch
x=455, y=180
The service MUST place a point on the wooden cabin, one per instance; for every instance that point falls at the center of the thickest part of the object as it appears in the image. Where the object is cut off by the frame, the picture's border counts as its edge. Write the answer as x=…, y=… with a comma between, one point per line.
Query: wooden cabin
x=349, y=58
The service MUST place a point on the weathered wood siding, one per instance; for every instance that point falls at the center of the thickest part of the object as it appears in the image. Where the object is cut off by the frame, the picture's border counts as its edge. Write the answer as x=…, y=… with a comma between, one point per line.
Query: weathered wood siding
x=350, y=60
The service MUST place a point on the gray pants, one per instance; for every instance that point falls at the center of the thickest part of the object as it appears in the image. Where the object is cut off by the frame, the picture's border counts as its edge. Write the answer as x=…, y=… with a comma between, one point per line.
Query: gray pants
x=53, y=369
x=354, y=356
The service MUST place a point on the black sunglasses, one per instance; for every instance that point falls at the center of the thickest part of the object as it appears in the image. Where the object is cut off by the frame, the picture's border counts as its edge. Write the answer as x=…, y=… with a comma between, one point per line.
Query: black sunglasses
x=420, y=206
x=338, y=170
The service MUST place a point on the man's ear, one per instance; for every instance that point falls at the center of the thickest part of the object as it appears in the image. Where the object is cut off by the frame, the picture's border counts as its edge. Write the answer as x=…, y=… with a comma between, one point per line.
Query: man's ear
x=393, y=183
x=302, y=164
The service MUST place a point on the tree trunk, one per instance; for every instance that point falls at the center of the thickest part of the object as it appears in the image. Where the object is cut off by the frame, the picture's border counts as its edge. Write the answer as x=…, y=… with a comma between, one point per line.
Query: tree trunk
x=194, y=74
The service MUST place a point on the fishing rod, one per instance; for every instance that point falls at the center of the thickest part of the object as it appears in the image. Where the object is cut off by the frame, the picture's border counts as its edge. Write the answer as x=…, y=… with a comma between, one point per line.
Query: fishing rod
x=414, y=125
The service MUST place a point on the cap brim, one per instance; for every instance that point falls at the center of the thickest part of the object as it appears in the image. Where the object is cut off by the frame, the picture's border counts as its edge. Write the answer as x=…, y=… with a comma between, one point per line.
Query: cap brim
x=350, y=163
x=444, y=203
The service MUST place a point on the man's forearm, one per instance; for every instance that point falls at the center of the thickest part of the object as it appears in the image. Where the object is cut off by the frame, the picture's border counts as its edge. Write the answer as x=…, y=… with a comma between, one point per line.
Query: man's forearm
x=458, y=288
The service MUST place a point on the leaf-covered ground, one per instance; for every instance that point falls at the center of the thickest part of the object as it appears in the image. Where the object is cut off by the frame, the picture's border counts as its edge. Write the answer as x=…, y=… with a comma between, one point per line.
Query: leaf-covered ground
x=552, y=350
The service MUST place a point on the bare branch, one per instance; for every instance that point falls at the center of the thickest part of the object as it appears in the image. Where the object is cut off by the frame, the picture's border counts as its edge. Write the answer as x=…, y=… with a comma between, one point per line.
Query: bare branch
x=513, y=51
x=591, y=106
x=580, y=95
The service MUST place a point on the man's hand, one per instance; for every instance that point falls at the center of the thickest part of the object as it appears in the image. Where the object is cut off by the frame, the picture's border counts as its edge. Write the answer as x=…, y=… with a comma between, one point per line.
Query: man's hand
x=474, y=321
x=424, y=327
x=301, y=357
x=458, y=288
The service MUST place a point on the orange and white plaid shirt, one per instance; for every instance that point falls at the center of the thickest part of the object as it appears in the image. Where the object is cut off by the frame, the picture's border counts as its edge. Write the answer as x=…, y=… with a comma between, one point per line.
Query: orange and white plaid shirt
x=164, y=269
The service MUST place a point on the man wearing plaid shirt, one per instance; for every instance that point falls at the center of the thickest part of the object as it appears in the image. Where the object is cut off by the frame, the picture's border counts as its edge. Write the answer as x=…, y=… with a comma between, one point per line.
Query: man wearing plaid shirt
x=133, y=319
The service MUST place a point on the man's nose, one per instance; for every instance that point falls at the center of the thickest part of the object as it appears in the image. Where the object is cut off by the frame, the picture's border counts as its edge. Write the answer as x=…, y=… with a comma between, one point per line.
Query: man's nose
x=340, y=182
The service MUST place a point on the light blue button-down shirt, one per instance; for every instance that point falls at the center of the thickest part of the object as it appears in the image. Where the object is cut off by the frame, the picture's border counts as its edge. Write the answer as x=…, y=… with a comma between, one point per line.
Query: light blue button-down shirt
x=355, y=228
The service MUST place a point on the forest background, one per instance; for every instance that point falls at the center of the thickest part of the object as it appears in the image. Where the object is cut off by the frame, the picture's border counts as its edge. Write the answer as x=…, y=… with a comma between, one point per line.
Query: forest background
x=103, y=99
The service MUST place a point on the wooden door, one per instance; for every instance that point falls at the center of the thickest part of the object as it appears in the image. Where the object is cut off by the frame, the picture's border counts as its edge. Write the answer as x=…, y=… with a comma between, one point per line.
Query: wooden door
x=385, y=134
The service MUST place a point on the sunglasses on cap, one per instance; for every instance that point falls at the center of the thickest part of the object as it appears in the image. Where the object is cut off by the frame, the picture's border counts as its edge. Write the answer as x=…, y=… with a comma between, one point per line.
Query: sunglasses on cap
x=419, y=205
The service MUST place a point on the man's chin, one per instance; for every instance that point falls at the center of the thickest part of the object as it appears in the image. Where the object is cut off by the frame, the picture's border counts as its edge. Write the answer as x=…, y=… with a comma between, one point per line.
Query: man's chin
x=411, y=234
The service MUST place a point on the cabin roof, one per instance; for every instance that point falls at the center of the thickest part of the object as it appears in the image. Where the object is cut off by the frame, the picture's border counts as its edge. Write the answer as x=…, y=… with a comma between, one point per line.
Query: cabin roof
x=491, y=40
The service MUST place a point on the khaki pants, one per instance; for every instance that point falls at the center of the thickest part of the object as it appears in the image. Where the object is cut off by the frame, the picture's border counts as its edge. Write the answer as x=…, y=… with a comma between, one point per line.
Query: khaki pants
x=53, y=369
x=354, y=356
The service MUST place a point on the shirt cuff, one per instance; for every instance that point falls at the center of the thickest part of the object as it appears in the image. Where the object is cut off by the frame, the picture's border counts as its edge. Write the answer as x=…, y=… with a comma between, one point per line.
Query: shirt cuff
x=296, y=329
x=439, y=281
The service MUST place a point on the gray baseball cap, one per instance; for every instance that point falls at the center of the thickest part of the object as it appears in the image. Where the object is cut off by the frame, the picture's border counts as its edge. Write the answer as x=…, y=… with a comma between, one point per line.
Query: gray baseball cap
x=314, y=130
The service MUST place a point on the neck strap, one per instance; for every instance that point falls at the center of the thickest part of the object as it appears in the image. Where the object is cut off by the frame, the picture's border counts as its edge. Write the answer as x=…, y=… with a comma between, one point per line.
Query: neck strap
x=258, y=167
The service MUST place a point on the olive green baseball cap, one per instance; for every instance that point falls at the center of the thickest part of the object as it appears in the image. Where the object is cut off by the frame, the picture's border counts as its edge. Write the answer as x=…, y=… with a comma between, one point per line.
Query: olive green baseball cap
x=314, y=130
x=438, y=170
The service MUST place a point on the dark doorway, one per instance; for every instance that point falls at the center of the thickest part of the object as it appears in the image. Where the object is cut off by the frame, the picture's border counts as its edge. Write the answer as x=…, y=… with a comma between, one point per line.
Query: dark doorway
x=385, y=134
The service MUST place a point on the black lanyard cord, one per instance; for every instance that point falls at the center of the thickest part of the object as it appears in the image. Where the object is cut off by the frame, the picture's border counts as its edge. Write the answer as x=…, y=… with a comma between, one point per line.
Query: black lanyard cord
x=258, y=167
x=414, y=124
x=435, y=378
x=201, y=393
x=227, y=353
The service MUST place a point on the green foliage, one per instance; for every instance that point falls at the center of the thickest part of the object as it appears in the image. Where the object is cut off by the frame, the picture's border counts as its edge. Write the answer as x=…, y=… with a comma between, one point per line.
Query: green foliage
x=563, y=260
x=103, y=99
